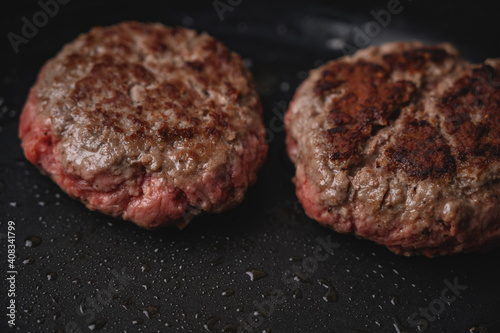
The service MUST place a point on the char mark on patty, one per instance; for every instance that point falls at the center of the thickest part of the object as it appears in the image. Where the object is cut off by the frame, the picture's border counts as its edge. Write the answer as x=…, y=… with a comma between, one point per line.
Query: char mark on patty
x=415, y=59
x=371, y=97
x=422, y=152
x=477, y=89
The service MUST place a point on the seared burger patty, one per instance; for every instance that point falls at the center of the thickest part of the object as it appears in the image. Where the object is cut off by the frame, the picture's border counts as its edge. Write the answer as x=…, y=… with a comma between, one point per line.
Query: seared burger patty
x=400, y=144
x=148, y=123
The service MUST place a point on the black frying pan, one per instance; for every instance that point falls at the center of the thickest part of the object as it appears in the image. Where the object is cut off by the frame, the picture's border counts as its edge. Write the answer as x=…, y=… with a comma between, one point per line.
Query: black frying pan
x=263, y=266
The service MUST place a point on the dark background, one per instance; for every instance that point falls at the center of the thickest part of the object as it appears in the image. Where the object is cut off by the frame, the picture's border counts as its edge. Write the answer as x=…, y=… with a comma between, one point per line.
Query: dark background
x=179, y=280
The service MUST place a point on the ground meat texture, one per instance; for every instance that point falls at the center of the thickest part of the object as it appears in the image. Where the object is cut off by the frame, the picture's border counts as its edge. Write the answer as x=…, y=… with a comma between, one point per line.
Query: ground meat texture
x=147, y=123
x=399, y=144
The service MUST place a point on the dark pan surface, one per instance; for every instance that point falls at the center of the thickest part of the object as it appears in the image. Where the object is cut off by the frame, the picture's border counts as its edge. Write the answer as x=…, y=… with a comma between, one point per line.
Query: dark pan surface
x=199, y=279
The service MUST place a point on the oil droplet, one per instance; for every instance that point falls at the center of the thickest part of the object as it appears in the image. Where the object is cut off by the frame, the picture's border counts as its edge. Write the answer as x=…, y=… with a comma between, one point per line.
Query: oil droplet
x=98, y=324
x=256, y=274
x=400, y=328
x=394, y=300
x=150, y=311
x=51, y=276
x=210, y=323
x=299, y=276
x=228, y=292
x=77, y=237
x=145, y=267
x=28, y=261
x=127, y=304
x=32, y=241
x=137, y=321
x=331, y=294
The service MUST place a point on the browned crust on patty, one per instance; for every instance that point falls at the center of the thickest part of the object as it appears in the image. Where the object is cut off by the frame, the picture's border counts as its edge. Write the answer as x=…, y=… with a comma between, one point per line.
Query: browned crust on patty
x=422, y=152
x=414, y=60
x=148, y=123
x=477, y=89
x=370, y=99
x=399, y=144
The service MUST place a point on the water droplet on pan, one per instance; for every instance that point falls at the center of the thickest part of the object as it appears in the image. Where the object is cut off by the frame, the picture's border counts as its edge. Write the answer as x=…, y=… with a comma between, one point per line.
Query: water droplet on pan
x=98, y=324
x=256, y=274
x=228, y=292
x=297, y=293
x=331, y=294
x=127, y=304
x=210, y=323
x=145, y=267
x=299, y=276
x=57, y=315
x=28, y=261
x=137, y=321
x=150, y=311
x=32, y=241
